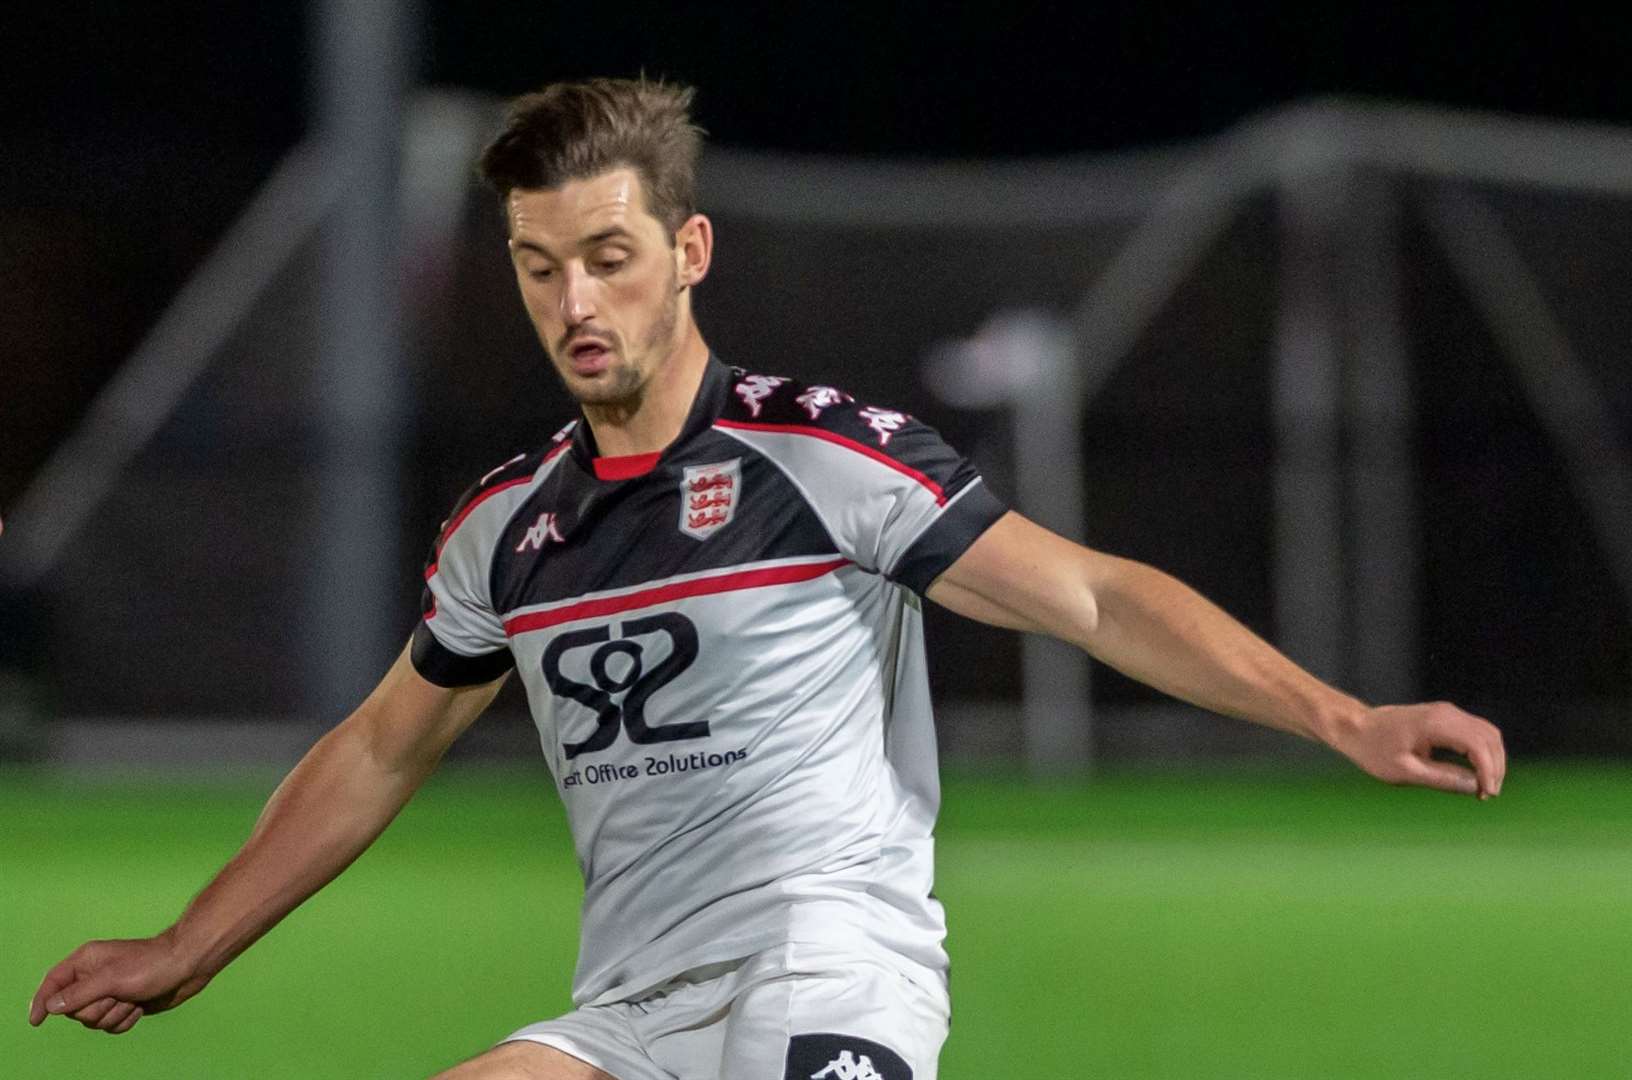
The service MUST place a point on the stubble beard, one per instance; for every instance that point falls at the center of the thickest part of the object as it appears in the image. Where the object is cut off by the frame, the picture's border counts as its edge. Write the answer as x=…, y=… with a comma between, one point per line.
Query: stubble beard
x=620, y=395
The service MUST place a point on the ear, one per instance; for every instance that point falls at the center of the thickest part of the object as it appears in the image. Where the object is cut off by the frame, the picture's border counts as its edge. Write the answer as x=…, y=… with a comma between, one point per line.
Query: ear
x=693, y=250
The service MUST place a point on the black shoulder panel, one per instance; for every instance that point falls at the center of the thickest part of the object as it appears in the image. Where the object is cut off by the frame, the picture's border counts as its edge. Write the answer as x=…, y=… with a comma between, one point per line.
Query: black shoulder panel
x=768, y=402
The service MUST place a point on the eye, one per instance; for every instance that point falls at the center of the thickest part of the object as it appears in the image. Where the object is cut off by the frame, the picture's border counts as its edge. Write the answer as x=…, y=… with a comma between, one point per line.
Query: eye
x=609, y=259
x=540, y=273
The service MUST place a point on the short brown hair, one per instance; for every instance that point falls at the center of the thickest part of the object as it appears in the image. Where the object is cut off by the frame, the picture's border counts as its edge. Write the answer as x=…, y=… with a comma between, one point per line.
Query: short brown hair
x=577, y=130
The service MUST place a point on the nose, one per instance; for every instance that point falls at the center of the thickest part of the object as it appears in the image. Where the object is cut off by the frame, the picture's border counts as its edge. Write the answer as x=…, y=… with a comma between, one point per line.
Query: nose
x=577, y=301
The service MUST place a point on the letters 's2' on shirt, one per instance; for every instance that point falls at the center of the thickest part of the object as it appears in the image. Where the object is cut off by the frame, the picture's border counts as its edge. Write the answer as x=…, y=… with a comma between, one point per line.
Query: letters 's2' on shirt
x=722, y=647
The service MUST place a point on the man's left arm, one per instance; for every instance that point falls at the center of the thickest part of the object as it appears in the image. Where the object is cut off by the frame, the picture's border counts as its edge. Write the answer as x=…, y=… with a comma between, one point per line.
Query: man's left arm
x=1158, y=630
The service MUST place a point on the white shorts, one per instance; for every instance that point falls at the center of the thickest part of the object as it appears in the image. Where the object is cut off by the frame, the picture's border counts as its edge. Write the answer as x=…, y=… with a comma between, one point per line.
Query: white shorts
x=795, y=1012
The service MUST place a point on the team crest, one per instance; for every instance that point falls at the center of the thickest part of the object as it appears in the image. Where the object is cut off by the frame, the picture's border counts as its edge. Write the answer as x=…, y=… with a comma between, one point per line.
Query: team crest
x=709, y=495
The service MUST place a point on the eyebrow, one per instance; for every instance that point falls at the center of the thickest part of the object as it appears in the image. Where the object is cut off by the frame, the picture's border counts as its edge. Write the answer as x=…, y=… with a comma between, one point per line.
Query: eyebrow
x=616, y=232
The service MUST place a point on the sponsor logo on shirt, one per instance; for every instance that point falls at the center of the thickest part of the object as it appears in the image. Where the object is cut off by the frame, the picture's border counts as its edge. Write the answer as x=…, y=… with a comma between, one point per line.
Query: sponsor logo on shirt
x=621, y=683
x=709, y=495
x=670, y=765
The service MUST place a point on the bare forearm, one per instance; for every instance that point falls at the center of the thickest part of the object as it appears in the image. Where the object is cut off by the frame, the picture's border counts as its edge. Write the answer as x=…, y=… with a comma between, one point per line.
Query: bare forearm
x=1162, y=632
x=329, y=808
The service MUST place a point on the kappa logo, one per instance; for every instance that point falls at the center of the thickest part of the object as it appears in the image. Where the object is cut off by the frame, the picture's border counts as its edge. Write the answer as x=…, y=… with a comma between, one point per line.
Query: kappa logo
x=709, y=495
x=846, y=1067
x=818, y=398
x=543, y=529
x=831, y=1056
x=754, y=389
x=884, y=421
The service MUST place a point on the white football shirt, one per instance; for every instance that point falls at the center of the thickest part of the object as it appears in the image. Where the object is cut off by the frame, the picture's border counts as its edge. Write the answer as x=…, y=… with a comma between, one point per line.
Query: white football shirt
x=722, y=648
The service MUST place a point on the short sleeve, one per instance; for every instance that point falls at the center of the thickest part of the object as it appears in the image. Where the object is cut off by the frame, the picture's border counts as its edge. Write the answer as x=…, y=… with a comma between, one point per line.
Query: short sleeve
x=894, y=496
x=921, y=511
x=460, y=639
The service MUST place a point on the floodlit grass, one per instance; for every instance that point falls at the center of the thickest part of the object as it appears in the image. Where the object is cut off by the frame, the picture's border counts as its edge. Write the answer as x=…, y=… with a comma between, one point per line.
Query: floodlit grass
x=1156, y=926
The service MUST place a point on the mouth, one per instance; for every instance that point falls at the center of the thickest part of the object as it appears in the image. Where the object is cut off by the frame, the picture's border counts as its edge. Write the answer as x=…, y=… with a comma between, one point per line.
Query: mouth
x=589, y=356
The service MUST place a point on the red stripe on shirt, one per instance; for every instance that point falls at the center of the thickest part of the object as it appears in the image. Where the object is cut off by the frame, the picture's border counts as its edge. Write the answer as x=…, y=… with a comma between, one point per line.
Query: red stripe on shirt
x=447, y=533
x=849, y=444
x=678, y=590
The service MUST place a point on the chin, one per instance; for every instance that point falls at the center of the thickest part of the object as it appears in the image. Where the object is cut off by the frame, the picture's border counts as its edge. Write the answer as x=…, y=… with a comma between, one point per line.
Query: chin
x=607, y=388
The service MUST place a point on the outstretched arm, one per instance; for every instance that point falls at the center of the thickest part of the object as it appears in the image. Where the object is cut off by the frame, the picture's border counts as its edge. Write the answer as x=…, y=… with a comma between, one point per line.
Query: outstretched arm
x=328, y=809
x=1158, y=630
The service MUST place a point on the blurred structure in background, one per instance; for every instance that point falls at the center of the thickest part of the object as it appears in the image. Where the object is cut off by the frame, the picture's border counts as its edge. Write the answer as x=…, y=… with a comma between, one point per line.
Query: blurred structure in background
x=1360, y=374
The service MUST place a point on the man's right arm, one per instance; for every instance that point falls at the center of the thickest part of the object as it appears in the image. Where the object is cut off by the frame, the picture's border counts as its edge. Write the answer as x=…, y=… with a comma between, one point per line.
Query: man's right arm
x=332, y=805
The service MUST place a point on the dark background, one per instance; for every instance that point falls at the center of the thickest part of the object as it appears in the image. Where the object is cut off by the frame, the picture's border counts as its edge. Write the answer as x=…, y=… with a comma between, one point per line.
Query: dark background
x=970, y=79
x=134, y=133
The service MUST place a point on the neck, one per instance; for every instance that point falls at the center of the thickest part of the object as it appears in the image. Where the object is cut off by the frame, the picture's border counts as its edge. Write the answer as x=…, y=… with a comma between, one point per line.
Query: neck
x=661, y=412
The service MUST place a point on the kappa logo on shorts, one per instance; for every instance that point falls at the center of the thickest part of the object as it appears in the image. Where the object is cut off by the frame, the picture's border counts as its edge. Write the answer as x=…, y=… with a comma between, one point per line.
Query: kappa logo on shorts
x=829, y=1056
x=709, y=495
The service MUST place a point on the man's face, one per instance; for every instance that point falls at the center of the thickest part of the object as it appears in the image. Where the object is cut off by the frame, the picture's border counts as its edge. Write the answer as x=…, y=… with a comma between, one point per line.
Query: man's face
x=599, y=278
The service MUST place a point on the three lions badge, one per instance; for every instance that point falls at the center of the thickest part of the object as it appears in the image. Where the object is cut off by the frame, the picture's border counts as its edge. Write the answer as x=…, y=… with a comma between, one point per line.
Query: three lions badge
x=708, y=497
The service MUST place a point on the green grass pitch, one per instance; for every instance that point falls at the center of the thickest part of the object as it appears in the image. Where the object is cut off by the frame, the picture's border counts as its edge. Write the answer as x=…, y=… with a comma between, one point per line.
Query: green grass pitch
x=1142, y=926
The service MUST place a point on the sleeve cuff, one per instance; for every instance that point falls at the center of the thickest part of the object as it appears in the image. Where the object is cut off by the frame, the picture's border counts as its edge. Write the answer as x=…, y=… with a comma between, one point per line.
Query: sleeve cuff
x=974, y=511
x=438, y=664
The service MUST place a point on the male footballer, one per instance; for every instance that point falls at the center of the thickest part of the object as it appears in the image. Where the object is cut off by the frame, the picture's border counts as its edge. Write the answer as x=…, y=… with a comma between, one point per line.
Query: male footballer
x=710, y=585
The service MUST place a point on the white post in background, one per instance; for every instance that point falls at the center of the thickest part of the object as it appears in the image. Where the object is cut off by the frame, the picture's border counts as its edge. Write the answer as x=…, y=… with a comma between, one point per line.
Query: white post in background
x=359, y=392
x=1386, y=553
x=1310, y=610
x=1028, y=360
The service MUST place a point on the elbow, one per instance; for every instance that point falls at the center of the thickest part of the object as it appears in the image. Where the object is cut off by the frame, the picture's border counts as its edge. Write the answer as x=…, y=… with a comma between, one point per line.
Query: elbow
x=1079, y=617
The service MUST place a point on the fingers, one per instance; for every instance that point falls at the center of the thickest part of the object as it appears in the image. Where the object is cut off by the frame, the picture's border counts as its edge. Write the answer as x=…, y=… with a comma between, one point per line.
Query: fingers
x=104, y=1013
x=72, y=986
x=116, y=1016
x=108, y=1014
x=55, y=979
x=1441, y=775
x=129, y=1021
x=1491, y=764
x=77, y=996
x=92, y=1014
x=1478, y=740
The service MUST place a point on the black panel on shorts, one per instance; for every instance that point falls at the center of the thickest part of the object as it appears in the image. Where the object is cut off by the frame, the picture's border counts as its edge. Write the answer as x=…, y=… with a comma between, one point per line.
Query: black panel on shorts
x=830, y=1056
x=439, y=664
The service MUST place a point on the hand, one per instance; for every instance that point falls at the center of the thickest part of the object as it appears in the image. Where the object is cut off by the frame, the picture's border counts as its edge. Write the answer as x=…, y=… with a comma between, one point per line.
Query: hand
x=110, y=985
x=1395, y=743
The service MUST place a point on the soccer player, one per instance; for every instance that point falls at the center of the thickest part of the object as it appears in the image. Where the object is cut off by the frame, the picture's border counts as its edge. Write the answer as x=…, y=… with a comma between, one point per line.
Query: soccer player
x=710, y=585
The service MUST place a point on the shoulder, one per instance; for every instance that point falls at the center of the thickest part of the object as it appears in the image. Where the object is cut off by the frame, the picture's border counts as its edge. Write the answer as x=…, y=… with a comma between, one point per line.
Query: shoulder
x=513, y=477
x=787, y=406
x=816, y=428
